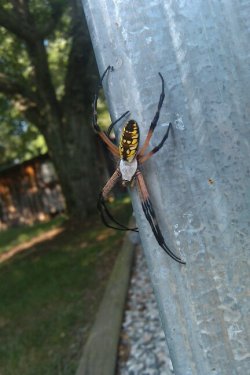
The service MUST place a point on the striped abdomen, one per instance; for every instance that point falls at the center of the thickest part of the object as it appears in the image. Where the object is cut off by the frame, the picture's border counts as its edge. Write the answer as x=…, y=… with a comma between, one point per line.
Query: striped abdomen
x=129, y=141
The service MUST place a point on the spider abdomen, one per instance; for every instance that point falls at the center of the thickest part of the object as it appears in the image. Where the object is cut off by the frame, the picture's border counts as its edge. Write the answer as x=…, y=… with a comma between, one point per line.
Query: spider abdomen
x=129, y=141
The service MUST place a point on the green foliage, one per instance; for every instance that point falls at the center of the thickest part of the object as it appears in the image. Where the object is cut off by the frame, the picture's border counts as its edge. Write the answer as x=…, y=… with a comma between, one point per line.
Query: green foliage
x=13, y=56
x=14, y=60
x=19, y=140
x=47, y=74
x=58, y=49
x=104, y=119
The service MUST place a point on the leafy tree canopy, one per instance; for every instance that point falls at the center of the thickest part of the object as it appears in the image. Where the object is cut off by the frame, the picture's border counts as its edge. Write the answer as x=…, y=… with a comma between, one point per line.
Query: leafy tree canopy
x=47, y=81
x=19, y=138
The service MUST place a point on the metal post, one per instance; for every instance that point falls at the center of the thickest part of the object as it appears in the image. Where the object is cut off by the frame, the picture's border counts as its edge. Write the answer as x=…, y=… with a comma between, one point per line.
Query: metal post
x=200, y=180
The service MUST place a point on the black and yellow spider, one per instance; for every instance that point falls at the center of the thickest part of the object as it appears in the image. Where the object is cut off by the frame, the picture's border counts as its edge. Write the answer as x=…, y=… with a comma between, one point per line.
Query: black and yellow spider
x=128, y=169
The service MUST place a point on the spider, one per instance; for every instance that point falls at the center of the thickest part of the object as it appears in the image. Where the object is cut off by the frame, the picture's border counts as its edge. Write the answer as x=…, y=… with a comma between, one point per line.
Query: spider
x=128, y=170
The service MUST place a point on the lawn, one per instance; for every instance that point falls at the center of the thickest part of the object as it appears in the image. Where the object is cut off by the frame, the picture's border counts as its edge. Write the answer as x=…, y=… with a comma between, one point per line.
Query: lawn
x=16, y=236
x=50, y=293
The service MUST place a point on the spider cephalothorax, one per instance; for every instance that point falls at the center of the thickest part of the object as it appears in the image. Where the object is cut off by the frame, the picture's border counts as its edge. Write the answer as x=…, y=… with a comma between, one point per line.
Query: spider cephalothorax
x=128, y=170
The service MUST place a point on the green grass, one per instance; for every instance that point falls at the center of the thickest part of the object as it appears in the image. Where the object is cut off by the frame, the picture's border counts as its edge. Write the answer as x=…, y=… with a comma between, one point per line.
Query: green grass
x=16, y=236
x=49, y=296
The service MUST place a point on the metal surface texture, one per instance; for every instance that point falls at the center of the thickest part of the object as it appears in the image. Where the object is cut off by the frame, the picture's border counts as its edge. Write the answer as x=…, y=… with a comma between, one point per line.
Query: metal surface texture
x=199, y=181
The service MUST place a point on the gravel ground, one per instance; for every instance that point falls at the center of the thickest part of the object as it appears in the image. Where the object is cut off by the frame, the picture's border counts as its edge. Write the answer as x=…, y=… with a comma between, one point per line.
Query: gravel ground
x=142, y=350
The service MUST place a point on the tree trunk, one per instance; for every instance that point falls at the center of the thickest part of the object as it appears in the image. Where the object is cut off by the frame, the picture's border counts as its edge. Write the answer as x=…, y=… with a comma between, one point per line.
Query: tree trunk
x=74, y=152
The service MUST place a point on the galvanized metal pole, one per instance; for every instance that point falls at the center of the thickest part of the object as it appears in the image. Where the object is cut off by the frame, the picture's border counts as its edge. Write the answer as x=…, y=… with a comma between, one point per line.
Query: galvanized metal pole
x=200, y=181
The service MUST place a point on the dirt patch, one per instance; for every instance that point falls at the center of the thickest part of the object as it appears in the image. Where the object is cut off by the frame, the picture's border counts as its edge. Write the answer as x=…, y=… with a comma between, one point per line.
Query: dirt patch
x=27, y=245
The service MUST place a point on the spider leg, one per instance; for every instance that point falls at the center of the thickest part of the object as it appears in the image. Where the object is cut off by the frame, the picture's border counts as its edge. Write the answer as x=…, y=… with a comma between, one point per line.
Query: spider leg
x=143, y=158
x=114, y=149
x=115, y=122
x=155, y=120
x=150, y=216
x=102, y=208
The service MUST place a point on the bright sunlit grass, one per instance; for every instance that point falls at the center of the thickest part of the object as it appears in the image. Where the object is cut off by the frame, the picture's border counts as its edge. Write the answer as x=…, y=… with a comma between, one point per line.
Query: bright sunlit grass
x=16, y=236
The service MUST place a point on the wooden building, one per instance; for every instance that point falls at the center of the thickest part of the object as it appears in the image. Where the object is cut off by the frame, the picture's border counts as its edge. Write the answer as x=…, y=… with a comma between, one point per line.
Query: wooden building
x=29, y=192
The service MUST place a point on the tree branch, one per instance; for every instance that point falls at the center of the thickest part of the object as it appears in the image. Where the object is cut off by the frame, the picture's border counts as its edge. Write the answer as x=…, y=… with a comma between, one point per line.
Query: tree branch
x=10, y=87
x=21, y=22
x=21, y=7
x=57, y=9
x=11, y=21
x=45, y=89
x=25, y=100
x=82, y=69
x=33, y=115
